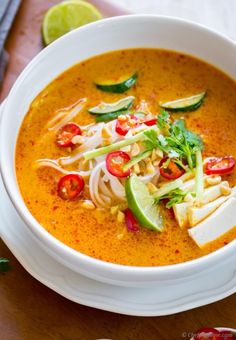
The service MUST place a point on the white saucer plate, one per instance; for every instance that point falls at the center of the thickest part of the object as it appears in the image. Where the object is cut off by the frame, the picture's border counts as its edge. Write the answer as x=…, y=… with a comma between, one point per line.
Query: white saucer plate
x=208, y=287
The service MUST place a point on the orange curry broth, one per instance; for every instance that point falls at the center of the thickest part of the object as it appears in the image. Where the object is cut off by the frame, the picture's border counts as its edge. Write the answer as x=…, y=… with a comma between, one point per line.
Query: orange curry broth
x=163, y=76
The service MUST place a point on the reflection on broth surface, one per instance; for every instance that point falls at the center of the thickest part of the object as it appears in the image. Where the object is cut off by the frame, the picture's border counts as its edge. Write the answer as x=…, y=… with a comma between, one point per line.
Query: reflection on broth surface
x=101, y=232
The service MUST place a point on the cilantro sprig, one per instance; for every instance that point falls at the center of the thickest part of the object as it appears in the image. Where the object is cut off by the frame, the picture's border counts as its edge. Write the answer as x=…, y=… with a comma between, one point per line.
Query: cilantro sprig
x=176, y=140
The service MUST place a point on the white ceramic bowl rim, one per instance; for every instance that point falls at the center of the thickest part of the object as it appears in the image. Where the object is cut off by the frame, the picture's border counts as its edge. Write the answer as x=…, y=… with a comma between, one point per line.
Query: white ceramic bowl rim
x=10, y=183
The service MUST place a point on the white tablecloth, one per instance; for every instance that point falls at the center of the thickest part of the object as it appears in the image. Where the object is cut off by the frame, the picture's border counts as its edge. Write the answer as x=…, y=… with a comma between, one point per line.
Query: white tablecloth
x=217, y=14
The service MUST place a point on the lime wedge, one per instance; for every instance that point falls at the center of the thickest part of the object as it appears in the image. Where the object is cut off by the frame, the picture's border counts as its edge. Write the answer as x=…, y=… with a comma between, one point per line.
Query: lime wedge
x=143, y=204
x=66, y=16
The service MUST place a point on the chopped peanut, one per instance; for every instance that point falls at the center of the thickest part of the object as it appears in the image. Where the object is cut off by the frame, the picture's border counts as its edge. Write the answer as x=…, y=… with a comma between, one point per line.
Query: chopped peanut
x=159, y=153
x=213, y=180
x=151, y=187
x=132, y=122
x=123, y=206
x=77, y=140
x=188, y=198
x=106, y=141
x=85, y=163
x=150, y=168
x=154, y=155
x=225, y=190
x=88, y=205
x=147, y=160
x=106, y=133
x=142, y=166
x=198, y=204
x=122, y=118
x=122, y=233
x=136, y=169
x=126, y=148
x=114, y=210
x=90, y=133
x=135, y=150
x=120, y=236
x=156, y=163
x=120, y=216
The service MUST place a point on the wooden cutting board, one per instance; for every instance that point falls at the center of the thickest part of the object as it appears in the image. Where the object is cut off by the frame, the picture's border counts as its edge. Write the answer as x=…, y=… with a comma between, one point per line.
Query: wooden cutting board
x=29, y=310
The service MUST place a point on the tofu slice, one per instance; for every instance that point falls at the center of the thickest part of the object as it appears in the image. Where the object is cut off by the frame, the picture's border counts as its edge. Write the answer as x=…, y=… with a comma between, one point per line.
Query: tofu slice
x=216, y=225
x=186, y=216
x=196, y=215
x=212, y=193
x=181, y=213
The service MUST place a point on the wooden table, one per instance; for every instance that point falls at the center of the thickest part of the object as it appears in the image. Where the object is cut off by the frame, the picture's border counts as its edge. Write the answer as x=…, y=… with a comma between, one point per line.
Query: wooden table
x=29, y=310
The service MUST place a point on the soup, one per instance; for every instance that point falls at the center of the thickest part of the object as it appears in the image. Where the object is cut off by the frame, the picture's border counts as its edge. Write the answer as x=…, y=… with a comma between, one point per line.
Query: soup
x=128, y=157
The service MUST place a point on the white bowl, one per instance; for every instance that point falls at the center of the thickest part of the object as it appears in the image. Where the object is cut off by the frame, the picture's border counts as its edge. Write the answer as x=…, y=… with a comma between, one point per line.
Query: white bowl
x=88, y=41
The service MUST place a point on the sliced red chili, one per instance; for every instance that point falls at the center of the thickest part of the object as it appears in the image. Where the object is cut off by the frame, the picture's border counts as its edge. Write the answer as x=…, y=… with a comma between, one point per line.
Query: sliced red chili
x=126, y=122
x=151, y=122
x=220, y=165
x=207, y=334
x=66, y=134
x=227, y=335
x=169, y=168
x=130, y=221
x=115, y=162
x=70, y=186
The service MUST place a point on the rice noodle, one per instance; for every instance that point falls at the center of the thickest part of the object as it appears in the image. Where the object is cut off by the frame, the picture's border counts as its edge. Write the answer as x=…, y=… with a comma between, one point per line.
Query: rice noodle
x=53, y=164
x=68, y=114
x=116, y=186
x=112, y=127
x=85, y=127
x=94, y=186
x=106, y=199
x=104, y=189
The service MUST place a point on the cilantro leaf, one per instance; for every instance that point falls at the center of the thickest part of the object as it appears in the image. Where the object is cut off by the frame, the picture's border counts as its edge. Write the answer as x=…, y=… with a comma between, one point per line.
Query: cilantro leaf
x=187, y=141
x=181, y=143
x=174, y=197
x=163, y=119
x=151, y=141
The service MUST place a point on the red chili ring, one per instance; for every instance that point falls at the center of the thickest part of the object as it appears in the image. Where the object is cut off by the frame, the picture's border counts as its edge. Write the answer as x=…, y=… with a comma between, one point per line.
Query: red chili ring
x=115, y=162
x=70, y=187
x=66, y=134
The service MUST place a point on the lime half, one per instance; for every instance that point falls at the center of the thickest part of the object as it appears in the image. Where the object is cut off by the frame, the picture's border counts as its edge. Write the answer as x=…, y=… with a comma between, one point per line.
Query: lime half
x=142, y=204
x=66, y=16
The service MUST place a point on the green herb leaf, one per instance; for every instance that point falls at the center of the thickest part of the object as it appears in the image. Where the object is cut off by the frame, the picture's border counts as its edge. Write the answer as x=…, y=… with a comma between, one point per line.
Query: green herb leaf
x=107, y=117
x=179, y=142
x=4, y=265
x=151, y=141
x=163, y=119
x=174, y=196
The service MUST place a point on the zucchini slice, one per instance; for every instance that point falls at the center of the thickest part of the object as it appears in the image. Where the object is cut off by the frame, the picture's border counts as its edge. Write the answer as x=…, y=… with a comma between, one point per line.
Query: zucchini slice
x=185, y=104
x=119, y=87
x=104, y=108
x=110, y=116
